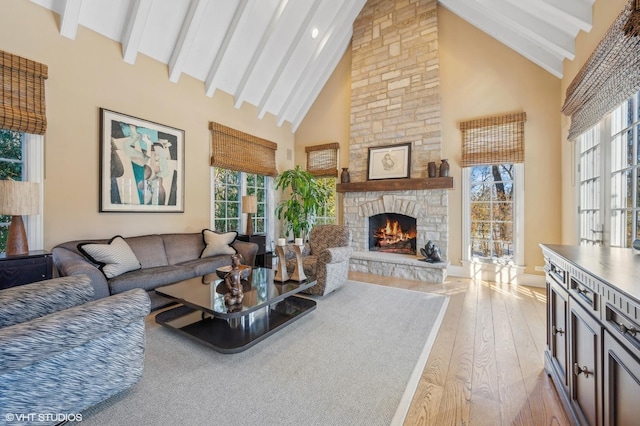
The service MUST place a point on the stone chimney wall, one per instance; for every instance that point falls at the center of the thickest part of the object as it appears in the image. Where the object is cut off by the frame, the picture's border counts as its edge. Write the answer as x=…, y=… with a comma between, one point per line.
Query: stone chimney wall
x=395, y=84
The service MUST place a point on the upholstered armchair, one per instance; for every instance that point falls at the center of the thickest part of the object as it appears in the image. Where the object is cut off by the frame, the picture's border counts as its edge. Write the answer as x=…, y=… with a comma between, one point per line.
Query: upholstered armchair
x=62, y=352
x=325, y=258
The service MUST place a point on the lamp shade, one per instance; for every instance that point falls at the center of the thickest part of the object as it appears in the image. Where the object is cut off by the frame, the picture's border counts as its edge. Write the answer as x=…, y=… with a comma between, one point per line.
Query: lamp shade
x=249, y=204
x=19, y=198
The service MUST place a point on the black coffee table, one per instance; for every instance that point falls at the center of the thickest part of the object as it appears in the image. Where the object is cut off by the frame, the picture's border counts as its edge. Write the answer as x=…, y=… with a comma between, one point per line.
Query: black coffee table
x=202, y=314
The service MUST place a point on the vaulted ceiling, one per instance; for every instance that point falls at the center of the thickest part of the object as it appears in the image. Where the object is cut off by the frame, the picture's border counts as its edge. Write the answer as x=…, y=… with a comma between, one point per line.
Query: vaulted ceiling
x=278, y=54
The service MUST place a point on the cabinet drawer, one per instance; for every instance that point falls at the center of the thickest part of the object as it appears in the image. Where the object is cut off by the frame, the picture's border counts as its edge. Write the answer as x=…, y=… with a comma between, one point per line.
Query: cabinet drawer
x=623, y=327
x=556, y=272
x=584, y=294
x=14, y=272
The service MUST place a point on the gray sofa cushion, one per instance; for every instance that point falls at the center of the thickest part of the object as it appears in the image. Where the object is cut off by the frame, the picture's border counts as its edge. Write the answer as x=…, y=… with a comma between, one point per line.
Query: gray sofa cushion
x=149, y=278
x=182, y=247
x=149, y=249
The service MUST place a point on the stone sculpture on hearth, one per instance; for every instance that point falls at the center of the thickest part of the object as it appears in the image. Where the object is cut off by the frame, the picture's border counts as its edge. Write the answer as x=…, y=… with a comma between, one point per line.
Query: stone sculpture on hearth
x=431, y=252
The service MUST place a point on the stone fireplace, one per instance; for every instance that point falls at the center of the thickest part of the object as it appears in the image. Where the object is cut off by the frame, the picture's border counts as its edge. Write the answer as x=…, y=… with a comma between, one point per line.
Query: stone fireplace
x=395, y=98
x=392, y=233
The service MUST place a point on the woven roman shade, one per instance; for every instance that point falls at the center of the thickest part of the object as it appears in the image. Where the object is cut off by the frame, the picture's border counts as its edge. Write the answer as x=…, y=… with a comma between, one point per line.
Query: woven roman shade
x=22, y=104
x=235, y=150
x=493, y=140
x=322, y=160
x=609, y=77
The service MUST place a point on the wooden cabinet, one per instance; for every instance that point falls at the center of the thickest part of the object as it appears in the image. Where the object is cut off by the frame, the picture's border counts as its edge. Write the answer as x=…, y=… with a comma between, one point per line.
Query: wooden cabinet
x=593, y=332
x=25, y=269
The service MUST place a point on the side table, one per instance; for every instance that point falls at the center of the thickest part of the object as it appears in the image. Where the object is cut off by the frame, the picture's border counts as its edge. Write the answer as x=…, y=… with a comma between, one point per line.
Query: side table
x=25, y=268
x=263, y=257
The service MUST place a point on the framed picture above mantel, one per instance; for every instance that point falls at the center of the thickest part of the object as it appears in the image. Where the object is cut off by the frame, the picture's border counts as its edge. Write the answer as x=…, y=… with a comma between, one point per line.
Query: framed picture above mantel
x=389, y=162
x=141, y=165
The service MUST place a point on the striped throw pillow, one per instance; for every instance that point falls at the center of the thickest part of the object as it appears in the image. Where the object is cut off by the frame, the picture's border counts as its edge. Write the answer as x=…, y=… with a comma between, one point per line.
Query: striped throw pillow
x=114, y=258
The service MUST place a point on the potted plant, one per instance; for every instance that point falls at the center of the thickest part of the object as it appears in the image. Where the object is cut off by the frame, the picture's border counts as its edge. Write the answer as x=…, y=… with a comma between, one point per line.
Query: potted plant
x=307, y=196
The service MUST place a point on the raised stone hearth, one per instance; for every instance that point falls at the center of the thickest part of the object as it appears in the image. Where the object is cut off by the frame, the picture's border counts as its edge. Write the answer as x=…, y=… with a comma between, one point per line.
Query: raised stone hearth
x=430, y=210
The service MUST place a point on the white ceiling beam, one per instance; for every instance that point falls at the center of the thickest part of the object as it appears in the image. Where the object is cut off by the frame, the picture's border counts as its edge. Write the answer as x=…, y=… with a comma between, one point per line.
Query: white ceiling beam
x=479, y=17
x=578, y=12
x=134, y=29
x=549, y=36
x=258, y=52
x=70, y=18
x=311, y=14
x=338, y=29
x=188, y=32
x=210, y=82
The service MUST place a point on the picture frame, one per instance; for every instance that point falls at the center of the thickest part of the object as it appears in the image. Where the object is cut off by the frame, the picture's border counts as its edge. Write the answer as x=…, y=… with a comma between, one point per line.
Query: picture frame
x=141, y=165
x=389, y=162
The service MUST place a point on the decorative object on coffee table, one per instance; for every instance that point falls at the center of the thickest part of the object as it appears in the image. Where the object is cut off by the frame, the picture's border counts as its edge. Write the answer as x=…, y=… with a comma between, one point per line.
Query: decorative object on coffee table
x=298, y=270
x=233, y=281
x=281, y=275
x=431, y=252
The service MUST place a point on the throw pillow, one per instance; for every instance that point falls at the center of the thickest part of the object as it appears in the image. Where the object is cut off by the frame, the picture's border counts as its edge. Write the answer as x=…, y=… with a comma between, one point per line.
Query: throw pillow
x=216, y=243
x=114, y=258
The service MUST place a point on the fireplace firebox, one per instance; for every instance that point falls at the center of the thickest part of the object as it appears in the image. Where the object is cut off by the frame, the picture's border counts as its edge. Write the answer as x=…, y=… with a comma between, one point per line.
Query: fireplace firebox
x=392, y=233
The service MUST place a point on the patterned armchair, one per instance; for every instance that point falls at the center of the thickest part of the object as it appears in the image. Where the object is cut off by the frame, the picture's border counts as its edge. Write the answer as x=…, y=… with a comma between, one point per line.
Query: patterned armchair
x=62, y=352
x=325, y=257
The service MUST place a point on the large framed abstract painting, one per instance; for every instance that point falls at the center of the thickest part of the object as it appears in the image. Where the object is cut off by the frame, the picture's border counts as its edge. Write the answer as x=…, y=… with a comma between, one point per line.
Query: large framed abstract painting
x=141, y=165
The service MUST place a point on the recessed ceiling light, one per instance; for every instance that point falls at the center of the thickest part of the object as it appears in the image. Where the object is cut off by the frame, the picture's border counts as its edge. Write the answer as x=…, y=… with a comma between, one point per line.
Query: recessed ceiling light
x=314, y=33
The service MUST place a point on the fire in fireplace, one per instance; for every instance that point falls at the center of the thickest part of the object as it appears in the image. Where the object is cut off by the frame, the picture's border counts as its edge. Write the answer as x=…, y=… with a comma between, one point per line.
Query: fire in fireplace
x=393, y=233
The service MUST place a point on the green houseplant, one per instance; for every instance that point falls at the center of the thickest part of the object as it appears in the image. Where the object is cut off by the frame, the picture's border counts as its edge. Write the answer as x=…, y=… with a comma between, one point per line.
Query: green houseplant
x=307, y=196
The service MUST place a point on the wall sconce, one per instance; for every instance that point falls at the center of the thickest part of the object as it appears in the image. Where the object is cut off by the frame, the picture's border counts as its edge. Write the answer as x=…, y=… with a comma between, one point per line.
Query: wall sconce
x=18, y=198
x=249, y=206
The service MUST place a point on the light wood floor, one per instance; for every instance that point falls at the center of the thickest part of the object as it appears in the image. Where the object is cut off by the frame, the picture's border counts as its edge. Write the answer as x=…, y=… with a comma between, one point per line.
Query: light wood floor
x=486, y=365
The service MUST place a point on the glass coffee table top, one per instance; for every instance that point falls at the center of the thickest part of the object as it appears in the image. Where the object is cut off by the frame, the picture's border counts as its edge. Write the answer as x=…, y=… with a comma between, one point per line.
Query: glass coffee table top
x=267, y=306
x=207, y=292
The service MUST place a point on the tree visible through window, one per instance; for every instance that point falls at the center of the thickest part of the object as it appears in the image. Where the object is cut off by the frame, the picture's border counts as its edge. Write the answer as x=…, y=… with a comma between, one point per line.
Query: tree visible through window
x=492, y=212
x=11, y=167
x=327, y=214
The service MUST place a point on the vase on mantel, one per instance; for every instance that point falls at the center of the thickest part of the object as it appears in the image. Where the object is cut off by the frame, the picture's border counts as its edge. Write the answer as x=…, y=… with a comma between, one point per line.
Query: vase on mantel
x=432, y=169
x=444, y=168
x=345, y=177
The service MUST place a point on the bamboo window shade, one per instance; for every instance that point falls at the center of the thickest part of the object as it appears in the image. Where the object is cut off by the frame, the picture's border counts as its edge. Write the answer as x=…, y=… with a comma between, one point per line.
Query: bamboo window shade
x=322, y=160
x=609, y=77
x=235, y=150
x=22, y=103
x=493, y=140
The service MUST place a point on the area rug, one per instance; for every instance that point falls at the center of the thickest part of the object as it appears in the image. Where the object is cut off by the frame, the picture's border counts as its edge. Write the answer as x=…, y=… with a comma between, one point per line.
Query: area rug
x=355, y=360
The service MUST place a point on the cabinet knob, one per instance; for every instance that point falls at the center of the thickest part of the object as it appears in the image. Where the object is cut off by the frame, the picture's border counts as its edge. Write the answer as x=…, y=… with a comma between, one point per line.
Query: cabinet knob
x=557, y=330
x=584, y=370
x=625, y=329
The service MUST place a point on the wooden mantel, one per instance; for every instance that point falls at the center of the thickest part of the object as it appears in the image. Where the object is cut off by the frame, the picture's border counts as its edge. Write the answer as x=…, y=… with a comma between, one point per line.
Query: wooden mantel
x=396, y=184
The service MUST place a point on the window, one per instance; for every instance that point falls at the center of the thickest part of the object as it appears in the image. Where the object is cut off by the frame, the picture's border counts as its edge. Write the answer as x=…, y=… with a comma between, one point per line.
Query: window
x=589, y=172
x=327, y=214
x=493, y=202
x=609, y=175
x=229, y=186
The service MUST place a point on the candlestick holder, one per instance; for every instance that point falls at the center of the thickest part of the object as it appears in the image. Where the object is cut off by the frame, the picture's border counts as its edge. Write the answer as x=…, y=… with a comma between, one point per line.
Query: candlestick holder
x=281, y=274
x=298, y=271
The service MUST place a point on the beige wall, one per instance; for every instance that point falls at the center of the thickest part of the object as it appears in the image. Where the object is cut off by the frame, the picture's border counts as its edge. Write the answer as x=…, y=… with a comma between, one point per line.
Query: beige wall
x=604, y=13
x=88, y=73
x=479, y=76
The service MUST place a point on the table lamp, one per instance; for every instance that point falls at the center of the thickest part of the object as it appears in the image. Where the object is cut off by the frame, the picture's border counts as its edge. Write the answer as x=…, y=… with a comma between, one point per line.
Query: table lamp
x=249, y=206
x=18, y=198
